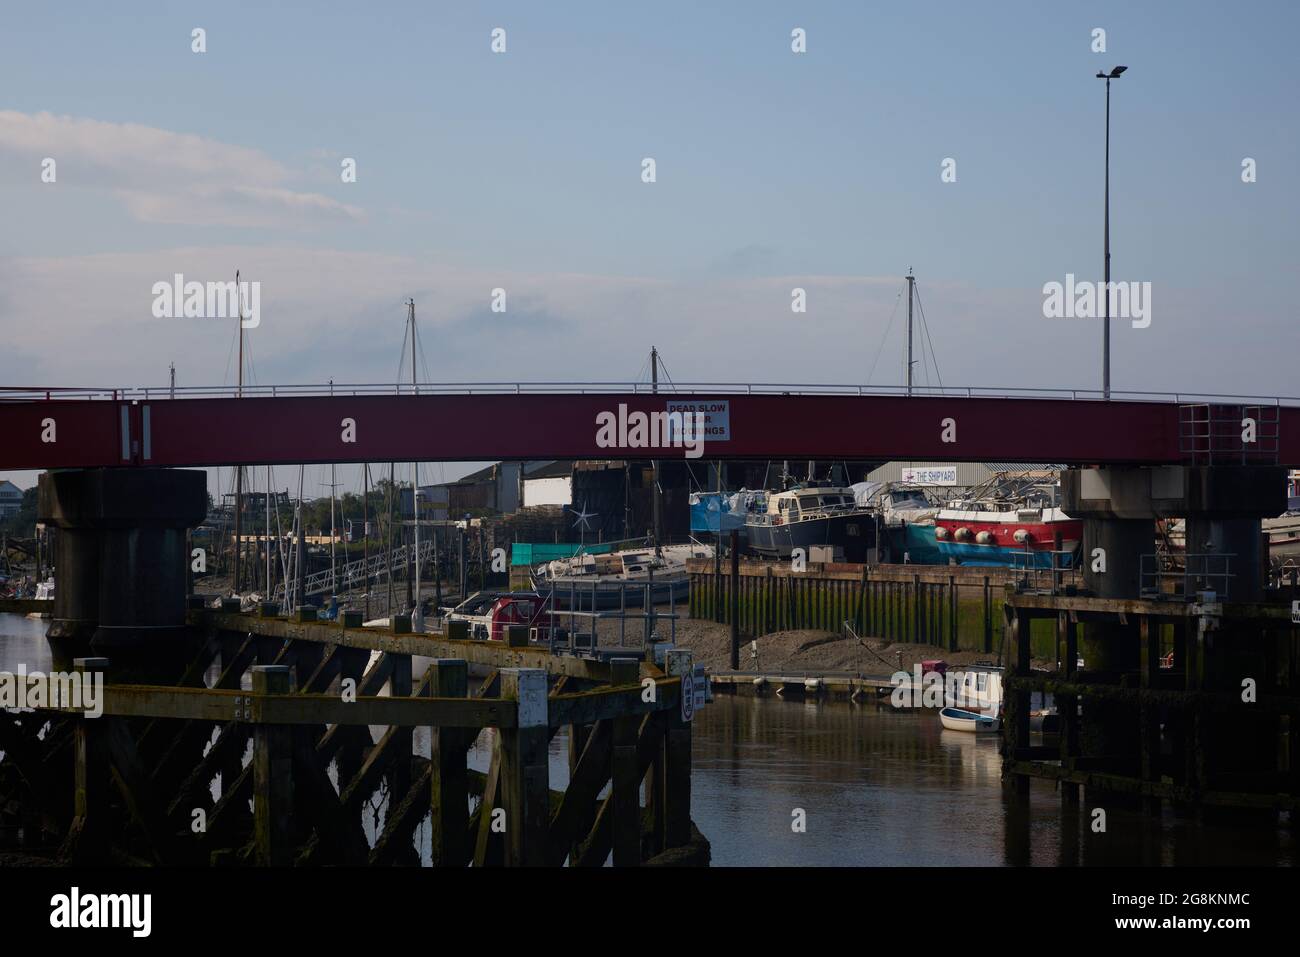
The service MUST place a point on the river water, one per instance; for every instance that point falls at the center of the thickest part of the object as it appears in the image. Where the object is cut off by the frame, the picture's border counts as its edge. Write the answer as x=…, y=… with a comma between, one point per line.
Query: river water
x=776, y=782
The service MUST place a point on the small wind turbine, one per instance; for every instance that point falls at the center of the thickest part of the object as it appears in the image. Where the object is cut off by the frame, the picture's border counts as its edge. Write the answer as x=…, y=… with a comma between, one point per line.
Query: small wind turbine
x=580, y=520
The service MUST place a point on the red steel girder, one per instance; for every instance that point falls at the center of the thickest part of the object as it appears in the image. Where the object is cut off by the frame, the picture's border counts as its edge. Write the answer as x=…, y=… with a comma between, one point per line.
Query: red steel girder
x=467, y=427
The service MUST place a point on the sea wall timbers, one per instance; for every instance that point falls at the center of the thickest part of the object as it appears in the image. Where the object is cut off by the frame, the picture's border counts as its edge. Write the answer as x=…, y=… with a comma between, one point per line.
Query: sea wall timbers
x=956, y=608
x=160, y=778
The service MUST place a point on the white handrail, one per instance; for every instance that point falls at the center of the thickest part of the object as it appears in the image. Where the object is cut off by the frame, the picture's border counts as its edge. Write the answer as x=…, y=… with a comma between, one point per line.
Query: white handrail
x=151, y=393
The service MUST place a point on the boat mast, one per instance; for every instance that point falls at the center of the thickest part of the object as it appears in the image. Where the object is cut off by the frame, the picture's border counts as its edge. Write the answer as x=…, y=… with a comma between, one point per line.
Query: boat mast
x=300, y=565
x=911, y=284
x=334, y=584
x=268, y=533
x=416, y=617
x=365, y=535
x=239, y=469
x=654, y=387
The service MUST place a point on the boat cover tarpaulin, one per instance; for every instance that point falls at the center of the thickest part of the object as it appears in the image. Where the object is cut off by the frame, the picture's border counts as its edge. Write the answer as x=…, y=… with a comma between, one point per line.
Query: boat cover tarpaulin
x=864, y=492
x=713, y=512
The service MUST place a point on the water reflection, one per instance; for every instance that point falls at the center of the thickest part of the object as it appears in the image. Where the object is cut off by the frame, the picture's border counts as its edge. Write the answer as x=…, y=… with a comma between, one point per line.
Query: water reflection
x=882, y=788
x=877, y=788
x=22, y=643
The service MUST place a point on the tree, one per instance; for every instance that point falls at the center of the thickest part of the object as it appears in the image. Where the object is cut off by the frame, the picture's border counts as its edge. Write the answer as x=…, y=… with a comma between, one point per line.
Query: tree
x=22, y=524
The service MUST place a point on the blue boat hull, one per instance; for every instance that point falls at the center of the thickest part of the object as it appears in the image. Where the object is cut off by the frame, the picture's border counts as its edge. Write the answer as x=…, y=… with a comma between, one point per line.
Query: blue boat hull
x=967, y=553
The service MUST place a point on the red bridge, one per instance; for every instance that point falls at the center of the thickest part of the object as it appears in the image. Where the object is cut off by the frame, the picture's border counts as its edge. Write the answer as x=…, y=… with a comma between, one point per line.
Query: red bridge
x=84, y=428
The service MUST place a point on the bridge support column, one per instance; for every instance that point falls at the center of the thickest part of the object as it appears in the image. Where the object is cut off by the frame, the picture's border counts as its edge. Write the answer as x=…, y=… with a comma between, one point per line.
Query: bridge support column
x=1114, y=572
x=1240, y=538
x=1222, y=506
x=121, y=579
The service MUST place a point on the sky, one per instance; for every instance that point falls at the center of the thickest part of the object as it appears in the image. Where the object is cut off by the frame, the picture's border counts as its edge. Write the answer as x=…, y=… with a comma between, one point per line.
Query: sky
x=522, y=170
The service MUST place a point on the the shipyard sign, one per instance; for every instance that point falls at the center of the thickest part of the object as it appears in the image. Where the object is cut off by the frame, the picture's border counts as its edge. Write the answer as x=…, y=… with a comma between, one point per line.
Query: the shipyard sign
x=931, y=475
x=714, y=413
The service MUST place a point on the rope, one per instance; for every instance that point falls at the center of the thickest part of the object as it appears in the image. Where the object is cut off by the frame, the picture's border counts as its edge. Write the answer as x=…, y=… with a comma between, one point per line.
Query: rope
x=893, y=313
x=925, y=326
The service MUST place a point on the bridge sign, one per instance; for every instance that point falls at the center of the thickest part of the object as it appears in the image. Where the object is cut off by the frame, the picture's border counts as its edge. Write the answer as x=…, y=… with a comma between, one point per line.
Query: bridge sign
x=688, y=696
x=700, y=683
x=1295, y=612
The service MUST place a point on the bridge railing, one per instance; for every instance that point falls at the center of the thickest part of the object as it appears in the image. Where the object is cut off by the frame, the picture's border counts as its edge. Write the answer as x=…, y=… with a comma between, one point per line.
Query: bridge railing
x=154, y=394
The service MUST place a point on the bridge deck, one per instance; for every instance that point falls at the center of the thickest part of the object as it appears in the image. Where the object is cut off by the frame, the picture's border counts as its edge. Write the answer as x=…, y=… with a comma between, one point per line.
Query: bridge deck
x=289, y=425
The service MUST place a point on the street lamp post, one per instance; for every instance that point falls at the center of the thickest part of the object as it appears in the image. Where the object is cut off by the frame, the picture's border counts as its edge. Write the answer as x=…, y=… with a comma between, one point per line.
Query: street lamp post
x=1105, y=295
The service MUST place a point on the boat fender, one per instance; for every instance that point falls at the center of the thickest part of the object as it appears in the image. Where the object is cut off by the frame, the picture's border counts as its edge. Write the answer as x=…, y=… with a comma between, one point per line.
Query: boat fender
x=940, y=532
x=961, y=534
x=1023, y=535
x=812, y=684
x=984, y=538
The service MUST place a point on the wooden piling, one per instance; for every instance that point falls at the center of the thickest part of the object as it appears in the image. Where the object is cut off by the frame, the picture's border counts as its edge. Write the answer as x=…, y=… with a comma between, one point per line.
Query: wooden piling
x=449, y=782
x=626, y=784
x=87, y=840
x=273, y=833
x=1017, y=702
x=525, y=775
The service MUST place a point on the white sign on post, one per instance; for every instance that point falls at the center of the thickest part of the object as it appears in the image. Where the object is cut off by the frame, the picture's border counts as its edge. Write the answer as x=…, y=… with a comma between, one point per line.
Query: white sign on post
x=931, y=475
x=1295, y=612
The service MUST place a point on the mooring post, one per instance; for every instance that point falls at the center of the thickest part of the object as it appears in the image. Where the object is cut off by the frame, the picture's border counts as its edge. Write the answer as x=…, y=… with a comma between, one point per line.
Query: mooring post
x=1148, y=711
x=734, y=600
x=87, y=841
x=1067, y=636
x=400, y=686
x=677, y=757
x=272, y=776
x=579, y=735
x=988, y=617
x=449, y=831
x=626, y=785
x=954, y=609
x=525, y=776
x=351, y=754
x=919, y=612
x=1017, y=705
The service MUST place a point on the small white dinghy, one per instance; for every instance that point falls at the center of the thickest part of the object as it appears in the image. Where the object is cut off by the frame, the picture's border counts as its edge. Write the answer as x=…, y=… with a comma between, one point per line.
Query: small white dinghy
x=955, y=719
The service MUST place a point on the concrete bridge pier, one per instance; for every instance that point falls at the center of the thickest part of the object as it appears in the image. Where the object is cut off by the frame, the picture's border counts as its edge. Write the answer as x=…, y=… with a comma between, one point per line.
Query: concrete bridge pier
x=122, y=564
x=1223, y=507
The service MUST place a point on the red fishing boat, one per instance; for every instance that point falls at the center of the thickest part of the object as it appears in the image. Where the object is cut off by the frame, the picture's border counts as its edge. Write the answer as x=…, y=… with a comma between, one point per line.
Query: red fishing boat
x=1012, y=521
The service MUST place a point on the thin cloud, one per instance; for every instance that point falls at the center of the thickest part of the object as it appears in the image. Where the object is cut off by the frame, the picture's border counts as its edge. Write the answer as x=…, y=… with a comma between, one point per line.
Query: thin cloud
x=162, y=176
